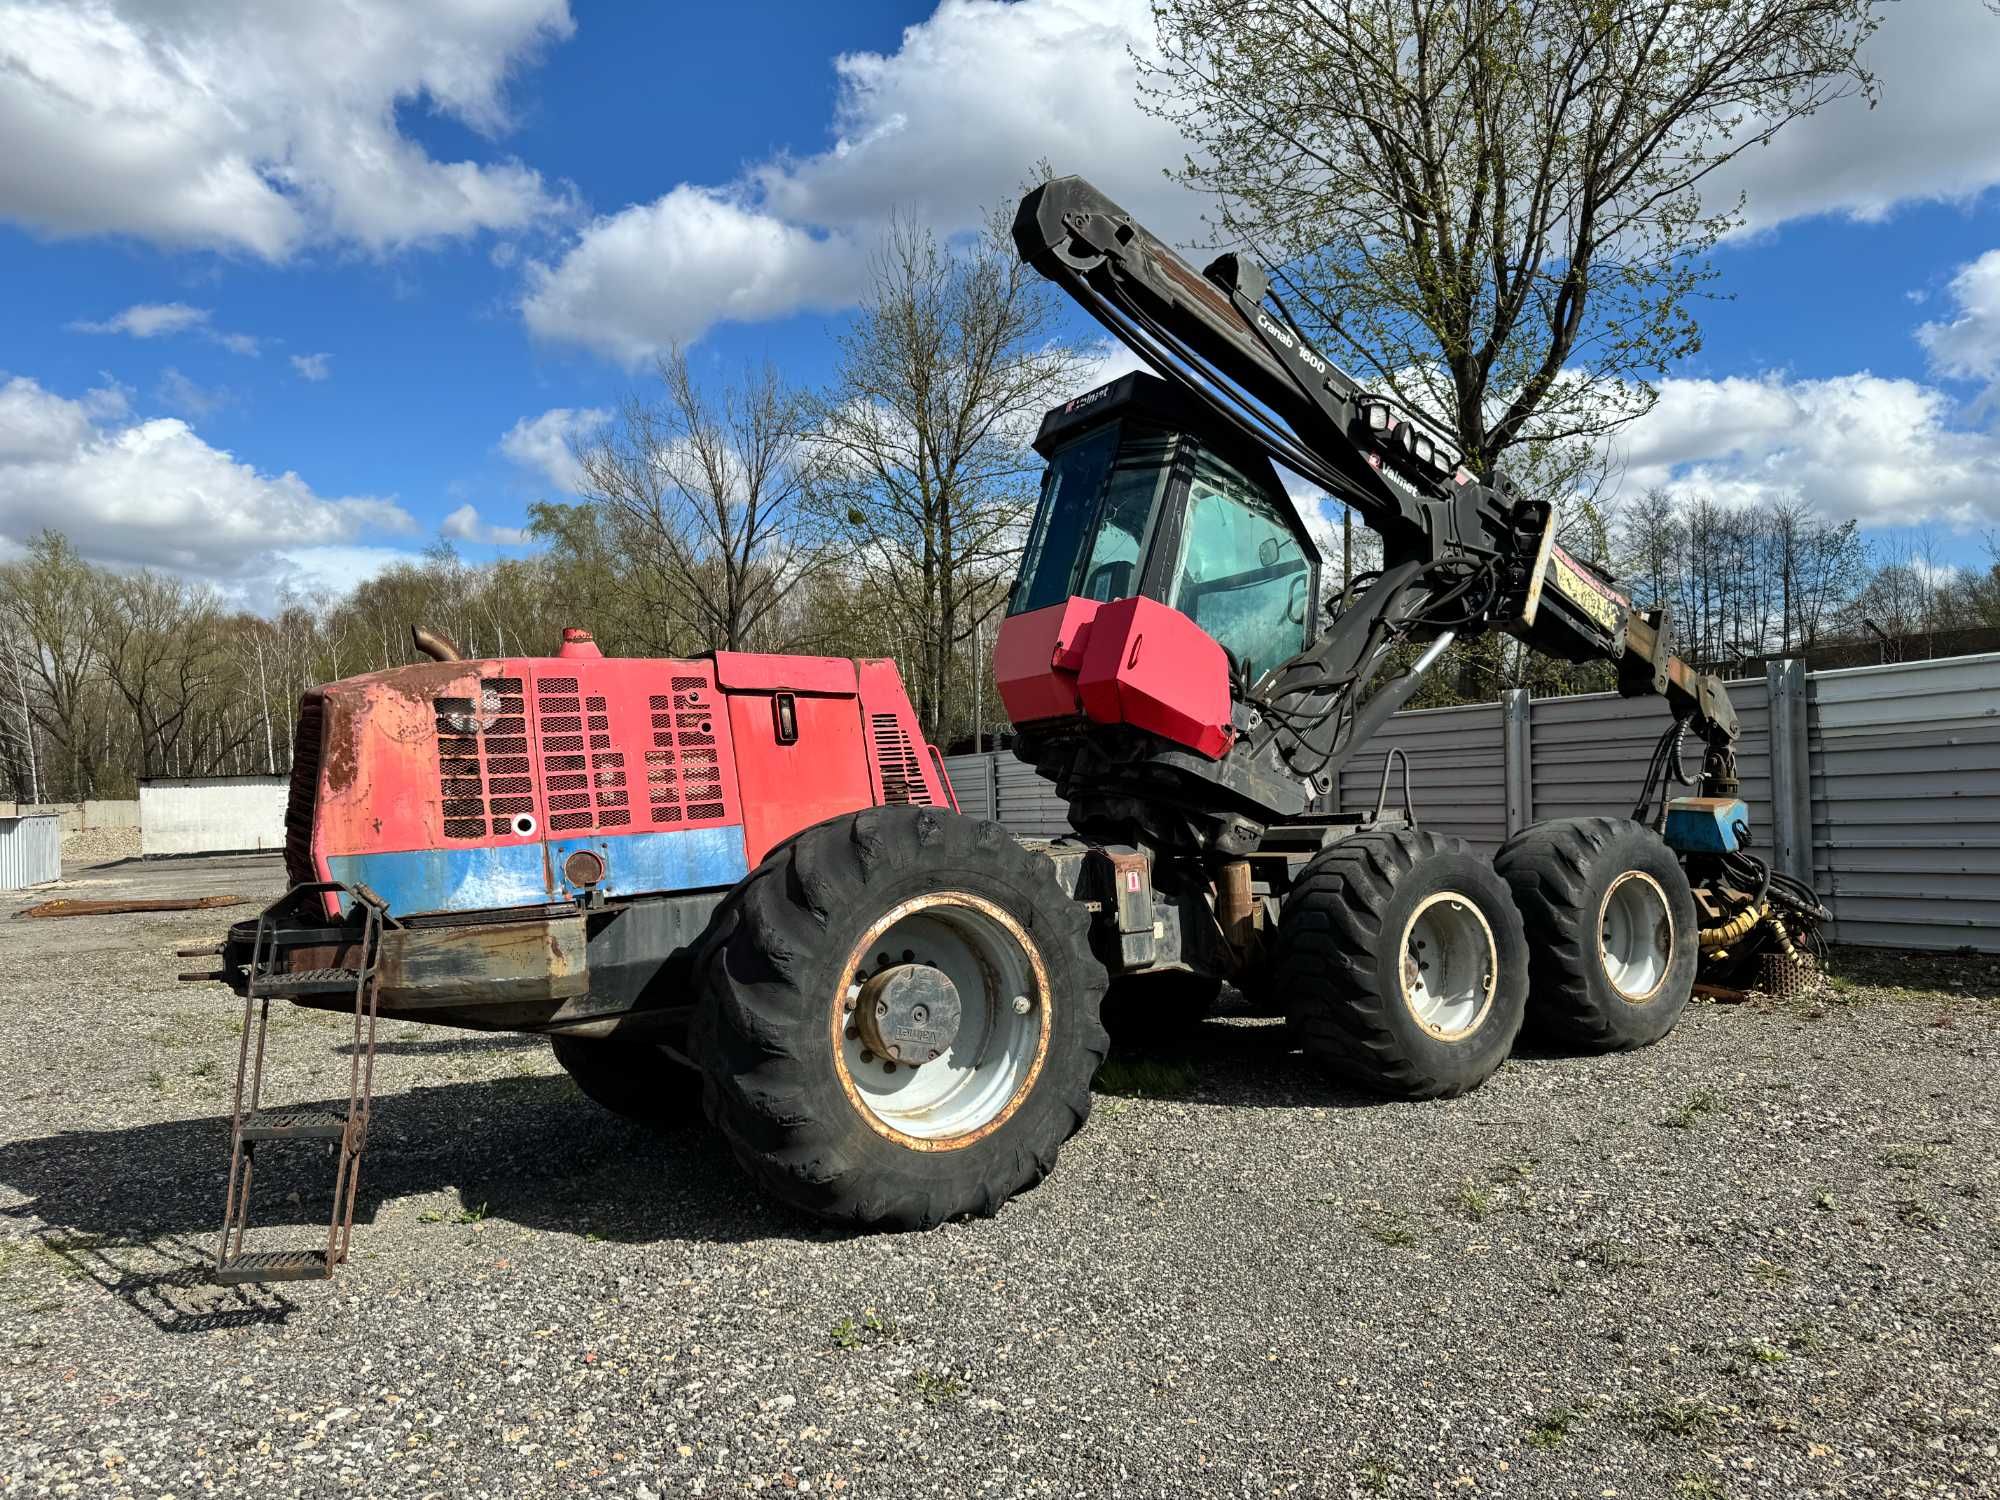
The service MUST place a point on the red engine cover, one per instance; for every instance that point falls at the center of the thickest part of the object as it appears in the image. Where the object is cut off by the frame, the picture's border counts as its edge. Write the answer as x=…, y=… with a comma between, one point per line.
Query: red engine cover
x=1133, y=661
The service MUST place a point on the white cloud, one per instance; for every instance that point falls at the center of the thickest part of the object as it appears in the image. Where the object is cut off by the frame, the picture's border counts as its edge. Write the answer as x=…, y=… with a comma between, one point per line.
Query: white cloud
x=948, y=124
x=544, y=443
x=152, y=493
x=1935, y=134
x=1966, y=346
x=313, y=366
x=148, y=320
x=152, y=320
x=1883, y=451
x=177, y=393
x=663, y=272
x=261, y=128
x=464, y=525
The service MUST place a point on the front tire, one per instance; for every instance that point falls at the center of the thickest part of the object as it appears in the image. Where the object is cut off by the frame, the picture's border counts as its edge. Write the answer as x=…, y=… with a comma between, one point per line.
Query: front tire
x=635, y=1080
x=1612, y=922
x=896, y=902
x=1405, y=963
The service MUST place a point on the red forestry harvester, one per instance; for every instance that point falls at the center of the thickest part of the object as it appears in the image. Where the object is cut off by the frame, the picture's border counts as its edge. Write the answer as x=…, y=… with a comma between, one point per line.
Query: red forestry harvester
x=742, y=880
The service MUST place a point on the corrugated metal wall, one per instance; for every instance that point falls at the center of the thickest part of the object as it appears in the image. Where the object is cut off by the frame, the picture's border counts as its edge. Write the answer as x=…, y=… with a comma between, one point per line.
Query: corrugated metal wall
x=30, y=851
x=1902, y=762
x=212, y=815
x=1458, y=774
x=1905, y=776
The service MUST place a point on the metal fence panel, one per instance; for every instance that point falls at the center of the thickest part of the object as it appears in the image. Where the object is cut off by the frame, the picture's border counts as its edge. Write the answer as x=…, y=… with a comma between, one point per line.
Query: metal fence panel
x=1588, y=754
x=1905, y=777
x=1458, y=772
x=212, y=815
x=30, y=851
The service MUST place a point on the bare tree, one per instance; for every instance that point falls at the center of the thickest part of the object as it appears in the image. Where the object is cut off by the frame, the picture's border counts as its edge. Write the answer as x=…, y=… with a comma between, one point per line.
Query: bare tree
x=704, y=495
x=1494, y=207
x=925, y=433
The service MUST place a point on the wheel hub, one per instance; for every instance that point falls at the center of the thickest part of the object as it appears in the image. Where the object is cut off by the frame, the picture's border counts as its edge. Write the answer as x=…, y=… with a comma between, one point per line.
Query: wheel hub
x=909, y=1013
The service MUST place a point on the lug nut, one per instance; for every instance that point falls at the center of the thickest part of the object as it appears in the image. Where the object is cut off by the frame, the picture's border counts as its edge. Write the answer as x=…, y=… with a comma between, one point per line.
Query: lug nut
x=1022, y=1005
x=853, y=1033
x=888, y=1067
x=867, y=1056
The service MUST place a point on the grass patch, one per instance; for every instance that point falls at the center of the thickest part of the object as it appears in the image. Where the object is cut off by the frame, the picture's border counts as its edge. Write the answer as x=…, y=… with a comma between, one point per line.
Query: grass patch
x=1378, y=1476
x=1474, y=1201
x=1918, y=1214
x=1770, y=1272
x=1609, y=1255
x=1548, y=1430
x=1144, y=1078
x=1683, y=1418
x=1701, y=1102
x=455, y=1216
x=28, y=1268
x=1824, y=1201
x=1699, y=1486
x=1765, y=1354
x=1393, y=1233
x=870, y=1328
x=936, y=1388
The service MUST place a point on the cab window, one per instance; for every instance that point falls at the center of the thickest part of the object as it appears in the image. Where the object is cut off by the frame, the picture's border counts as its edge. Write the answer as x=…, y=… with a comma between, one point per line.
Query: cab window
x=1242, y=575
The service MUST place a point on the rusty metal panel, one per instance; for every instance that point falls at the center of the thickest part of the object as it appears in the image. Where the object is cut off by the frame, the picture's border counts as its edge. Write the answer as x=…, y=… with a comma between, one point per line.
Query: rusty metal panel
x=30, y=851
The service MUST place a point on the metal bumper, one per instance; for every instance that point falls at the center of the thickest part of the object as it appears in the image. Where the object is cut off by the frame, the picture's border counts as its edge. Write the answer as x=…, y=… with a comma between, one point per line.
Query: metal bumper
x=499, y=970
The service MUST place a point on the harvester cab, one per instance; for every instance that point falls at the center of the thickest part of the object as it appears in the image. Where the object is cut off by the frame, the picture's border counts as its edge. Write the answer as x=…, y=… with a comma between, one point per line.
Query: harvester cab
x=741, y=883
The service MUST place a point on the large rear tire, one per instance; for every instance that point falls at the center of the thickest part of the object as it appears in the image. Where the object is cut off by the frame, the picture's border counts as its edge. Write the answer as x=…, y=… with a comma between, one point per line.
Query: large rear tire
x=854, y=923
x=1612, y=926
x=633, y=1079
x=1405, y=964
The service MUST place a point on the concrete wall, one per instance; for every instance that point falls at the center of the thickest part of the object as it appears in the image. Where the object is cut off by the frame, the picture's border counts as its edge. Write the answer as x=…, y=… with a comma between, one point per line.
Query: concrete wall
x=212, y=815
x=75, y=817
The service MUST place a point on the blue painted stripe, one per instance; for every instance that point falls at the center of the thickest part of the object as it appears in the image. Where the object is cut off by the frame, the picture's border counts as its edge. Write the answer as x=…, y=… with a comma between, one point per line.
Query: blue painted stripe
x=481, y=879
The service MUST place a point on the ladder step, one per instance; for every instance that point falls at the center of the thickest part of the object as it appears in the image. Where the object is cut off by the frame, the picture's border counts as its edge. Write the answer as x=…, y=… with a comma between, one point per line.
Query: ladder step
x=309, y=982
x=294, y=1125
x=273, y=1265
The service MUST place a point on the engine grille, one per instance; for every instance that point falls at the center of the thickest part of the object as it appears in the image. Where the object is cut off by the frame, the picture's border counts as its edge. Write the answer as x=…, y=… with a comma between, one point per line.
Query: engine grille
x=484, y=777
x=582, y=775
x=308, y=735
x=683, y=769
x=896, y=753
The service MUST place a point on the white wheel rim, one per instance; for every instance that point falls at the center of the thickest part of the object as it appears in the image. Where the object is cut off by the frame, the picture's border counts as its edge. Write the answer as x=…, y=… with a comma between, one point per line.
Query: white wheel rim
x=1449, y=966
x=977, y=1082
x=1635, y=936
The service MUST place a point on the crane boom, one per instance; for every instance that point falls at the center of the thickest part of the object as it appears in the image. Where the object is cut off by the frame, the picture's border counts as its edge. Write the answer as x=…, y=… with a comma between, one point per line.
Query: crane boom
x=1221, y=336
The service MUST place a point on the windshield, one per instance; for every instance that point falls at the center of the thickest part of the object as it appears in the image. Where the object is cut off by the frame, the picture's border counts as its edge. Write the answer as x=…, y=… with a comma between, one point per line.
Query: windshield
x=1069, y=498
x=1095, y=521
x=1242, y=576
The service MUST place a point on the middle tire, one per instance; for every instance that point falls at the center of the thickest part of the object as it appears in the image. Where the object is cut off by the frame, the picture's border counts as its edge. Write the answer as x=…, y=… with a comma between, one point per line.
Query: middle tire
x=1404, y=962
x=899, y=1019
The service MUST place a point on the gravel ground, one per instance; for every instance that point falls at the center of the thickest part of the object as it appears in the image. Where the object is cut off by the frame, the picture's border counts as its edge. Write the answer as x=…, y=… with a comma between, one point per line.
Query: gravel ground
x=1759, y=1258
x=88, y=846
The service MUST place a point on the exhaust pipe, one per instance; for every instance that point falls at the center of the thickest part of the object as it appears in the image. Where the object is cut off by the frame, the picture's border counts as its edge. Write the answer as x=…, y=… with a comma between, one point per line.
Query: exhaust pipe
x=433, y=645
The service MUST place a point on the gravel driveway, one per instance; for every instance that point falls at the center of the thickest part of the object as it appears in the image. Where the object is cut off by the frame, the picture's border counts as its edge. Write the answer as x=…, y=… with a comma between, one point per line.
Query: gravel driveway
x=1761, y=1258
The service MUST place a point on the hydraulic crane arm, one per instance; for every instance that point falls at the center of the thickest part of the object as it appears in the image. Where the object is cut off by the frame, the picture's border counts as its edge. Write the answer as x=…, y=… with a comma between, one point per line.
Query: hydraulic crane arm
x=1461, y=553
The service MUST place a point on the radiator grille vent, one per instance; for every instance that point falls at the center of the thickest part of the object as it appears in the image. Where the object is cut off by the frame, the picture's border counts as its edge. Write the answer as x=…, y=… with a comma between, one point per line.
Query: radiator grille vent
x=683, y=771
x=484, y=777
x=300, y=804
x=896, y=754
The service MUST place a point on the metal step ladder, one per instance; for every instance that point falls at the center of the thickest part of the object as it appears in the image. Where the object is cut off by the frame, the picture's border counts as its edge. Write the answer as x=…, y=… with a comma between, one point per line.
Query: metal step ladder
x=253, y=1126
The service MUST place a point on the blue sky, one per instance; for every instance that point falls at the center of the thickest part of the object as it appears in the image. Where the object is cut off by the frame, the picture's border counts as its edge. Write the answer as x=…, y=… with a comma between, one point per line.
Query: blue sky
x=278, y=286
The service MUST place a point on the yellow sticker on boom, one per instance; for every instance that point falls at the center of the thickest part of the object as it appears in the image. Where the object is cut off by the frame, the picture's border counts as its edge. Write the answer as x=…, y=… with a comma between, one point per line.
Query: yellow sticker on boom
x=1581, y=591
